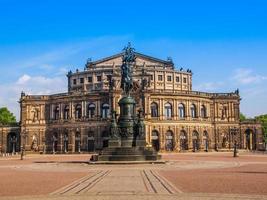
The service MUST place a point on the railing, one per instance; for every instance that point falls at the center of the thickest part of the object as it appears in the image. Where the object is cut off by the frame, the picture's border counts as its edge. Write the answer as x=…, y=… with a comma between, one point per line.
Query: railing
x=231, y=94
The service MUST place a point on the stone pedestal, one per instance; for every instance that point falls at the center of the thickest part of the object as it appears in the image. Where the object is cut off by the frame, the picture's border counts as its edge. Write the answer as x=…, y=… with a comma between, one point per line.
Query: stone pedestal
x=114, y=143
x=128, y=154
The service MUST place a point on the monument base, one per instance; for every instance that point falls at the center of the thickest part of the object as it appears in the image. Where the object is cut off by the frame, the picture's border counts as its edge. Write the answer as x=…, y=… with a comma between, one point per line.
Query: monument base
x=127, y=142
x=114, y=143
x=128, y=154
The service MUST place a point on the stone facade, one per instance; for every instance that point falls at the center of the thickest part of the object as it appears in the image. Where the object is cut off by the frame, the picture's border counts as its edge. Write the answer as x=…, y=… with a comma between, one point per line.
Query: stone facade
x=176, y=118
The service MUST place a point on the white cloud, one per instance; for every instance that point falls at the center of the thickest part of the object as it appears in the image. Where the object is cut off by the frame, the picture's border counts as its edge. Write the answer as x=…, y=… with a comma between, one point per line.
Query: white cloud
x=208, y=86
x=23, y=79
x=247, y=76
x=10, y=93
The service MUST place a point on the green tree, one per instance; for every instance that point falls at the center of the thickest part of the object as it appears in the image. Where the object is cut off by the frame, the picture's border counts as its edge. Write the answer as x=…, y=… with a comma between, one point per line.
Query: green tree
x=263, y=120
x=6, y=117
x=242, y=117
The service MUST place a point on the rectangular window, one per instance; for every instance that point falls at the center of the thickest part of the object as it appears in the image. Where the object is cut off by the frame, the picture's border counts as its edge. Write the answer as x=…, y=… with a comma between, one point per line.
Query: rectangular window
x=81, y=80
x=151, y=77
x=74, y=82
x=184, y=80
x=169, y=78
x=177, y=79
x=90, y=79
x=98, y=78
x=159, y=77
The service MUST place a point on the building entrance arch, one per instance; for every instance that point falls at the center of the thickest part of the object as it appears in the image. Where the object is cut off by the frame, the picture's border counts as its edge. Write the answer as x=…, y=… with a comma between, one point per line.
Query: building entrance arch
x=206, y=141
x=155, y=140
x=77, y=142
x=169, y=141
x=195, y=141
x=91, y=142
x=251, y=139
x=183, y=141
x=105, y=136
x=12, y=143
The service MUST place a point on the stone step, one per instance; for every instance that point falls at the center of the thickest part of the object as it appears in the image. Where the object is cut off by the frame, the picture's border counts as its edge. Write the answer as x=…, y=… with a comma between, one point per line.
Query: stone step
x=127, y=158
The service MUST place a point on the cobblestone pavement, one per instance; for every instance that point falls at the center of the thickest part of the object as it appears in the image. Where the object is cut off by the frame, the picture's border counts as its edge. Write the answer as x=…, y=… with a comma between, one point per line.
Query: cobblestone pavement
x=184, y=176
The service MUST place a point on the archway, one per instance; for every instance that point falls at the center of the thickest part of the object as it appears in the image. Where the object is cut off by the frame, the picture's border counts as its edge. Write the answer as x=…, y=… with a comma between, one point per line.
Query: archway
x=155, y=140
x=90, y=141
x=183, y=141
x=251, y=139
x=105, y=137
x=195, y=141
x=12, y=143
x=169, y=144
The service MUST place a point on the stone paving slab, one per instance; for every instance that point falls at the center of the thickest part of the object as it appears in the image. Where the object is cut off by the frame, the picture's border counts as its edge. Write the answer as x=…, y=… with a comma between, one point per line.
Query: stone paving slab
x=111, y=196
x=144, y=181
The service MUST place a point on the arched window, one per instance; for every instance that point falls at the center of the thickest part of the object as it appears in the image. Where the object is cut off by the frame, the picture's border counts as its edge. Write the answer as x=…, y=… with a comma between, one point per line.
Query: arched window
x=181, y=110
x=78, y=111
x=203, y=111
x=168, y=110
x=105, y=111
x=56, y=113
x=66, y=112
x=193, y=111
x=91, y=110
x=154, y=109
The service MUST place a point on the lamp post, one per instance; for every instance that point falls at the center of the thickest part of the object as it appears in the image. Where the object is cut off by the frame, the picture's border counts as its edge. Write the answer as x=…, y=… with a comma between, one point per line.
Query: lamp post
x=233, y=132
x=44, y=146
x=235, y=149
x=23, y=146
x=206, y=144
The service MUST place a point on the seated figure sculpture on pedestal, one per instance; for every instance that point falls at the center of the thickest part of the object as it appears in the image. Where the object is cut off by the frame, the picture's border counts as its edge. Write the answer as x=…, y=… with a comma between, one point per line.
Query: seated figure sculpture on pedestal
x=127, y=134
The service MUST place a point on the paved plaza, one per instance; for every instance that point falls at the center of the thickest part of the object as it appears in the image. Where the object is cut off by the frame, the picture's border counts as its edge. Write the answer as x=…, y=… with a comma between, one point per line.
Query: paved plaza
x=184, y=176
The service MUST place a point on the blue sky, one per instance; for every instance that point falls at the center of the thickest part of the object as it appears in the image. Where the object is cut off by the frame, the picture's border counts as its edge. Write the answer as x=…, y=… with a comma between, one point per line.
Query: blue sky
x=224, y=42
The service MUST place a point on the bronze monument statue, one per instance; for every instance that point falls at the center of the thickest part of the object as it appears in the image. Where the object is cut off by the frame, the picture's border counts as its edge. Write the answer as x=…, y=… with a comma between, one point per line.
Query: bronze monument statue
x=127, y=140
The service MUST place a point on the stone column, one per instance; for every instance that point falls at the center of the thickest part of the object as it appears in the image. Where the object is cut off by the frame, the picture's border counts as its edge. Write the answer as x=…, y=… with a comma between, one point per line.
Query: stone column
x=73, y=140
x=190, y=145
x=98, y=108
x=161, y=108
